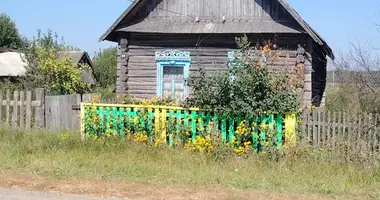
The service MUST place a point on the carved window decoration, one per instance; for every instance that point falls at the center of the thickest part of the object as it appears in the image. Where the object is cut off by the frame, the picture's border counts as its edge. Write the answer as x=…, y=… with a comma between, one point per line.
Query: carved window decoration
x=172, y=73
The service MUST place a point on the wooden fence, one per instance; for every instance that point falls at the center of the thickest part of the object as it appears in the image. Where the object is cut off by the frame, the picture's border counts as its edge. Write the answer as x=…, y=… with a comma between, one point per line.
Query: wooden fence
x=34, y=109
x=341, y=132
x=331, y=131
x=179, y=124
x=19, y=110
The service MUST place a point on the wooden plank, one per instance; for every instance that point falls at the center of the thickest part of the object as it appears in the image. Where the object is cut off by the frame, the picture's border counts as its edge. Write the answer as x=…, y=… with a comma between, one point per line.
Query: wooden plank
x=319, y=128
x=368, y=131
x=15, y=109
x=373, y=132
x=323, y=131
x=52, y=112
x=376, y=135
x=303, y=128
x=328, y=133
x=344, y=133
x=339, y=133
x=349, y=132
x=315, y=117
x=1, y=106
x=11, y=103
x=40, y=111
x=333, y=139
x=359, y=132
x=22, y=110
x=8, y=108
x=308, y=127
x=77, y=121
x=28, y=118
x=59, y=113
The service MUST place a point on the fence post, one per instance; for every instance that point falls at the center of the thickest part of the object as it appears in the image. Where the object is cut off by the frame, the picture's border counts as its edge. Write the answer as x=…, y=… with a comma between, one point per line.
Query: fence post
x=1, y=106
x=28, y=117
x=8, y=108
x=22, y=109
x=40, y=111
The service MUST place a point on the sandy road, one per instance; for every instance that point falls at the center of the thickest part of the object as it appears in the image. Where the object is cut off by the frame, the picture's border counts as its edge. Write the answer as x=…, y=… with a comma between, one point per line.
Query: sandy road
x=20, y=194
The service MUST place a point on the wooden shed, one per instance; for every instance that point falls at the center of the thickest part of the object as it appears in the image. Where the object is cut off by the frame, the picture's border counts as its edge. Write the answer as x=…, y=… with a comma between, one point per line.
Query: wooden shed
x=160, y=42
x=80, y=58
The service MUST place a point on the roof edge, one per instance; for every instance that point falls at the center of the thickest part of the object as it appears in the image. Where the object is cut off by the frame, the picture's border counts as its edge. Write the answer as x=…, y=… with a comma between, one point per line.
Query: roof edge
x=313, y=34
x=118, y=20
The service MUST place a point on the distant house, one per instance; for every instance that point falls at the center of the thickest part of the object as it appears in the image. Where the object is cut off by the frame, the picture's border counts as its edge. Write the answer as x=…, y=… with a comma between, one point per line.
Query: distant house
x=81, y=58
x=12, y=64
x=161, y=42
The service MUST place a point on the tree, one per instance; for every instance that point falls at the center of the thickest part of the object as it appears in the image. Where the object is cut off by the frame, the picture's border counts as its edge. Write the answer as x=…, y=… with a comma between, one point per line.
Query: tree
x=356, y=84
x=47, y=70
x=9, y=34
x=357, y=80
x=105, y=62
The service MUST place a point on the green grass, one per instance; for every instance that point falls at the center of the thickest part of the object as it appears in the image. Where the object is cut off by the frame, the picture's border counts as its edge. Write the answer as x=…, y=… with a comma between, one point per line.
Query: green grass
x=47, y=155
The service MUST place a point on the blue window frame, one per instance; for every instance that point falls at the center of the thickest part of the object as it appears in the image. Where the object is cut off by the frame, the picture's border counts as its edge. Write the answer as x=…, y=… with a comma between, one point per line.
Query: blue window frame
x=172, y=58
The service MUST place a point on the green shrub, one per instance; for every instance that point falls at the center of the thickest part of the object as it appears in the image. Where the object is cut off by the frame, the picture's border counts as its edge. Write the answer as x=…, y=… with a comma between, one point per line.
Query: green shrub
x=247, y=88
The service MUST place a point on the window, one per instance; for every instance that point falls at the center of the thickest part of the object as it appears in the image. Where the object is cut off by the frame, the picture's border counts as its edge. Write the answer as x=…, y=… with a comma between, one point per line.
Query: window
x=172, y=73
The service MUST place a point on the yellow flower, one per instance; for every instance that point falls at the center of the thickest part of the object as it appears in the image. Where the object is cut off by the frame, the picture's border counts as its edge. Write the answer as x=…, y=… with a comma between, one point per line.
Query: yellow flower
x=64, y=136
x=264, y=126
x=201, y=144
x=140, y=138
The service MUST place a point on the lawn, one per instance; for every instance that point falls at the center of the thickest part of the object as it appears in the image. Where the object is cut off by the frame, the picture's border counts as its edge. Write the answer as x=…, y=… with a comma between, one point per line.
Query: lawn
x=65, y=157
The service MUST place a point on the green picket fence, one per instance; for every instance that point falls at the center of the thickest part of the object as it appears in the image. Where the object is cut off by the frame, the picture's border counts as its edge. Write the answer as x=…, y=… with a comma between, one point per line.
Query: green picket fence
x=176, y=123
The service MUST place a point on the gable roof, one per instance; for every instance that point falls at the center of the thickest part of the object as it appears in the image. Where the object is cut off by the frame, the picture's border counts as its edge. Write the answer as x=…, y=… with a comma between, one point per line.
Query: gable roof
x=312, y=33
x=198, y=27
x=75, y=56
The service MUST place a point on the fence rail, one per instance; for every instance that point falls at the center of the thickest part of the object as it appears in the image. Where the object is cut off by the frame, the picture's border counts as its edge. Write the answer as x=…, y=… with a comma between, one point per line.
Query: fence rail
x=173, y=123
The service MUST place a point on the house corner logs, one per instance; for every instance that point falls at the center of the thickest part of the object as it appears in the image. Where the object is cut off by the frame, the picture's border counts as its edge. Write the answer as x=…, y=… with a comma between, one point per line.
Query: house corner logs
x=122, y=66
x=303, y=75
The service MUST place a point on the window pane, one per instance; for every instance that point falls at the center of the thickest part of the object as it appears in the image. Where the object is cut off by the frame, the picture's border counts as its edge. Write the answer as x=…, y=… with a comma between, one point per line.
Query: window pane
x=173, y=77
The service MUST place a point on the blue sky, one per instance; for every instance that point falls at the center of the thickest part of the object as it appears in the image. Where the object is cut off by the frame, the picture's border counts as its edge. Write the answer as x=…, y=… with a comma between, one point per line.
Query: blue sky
x=81, y=22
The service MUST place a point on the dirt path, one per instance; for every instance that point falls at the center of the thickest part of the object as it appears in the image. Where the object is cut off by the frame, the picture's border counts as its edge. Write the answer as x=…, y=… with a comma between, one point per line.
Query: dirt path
x=20, y=194
x=49, y=188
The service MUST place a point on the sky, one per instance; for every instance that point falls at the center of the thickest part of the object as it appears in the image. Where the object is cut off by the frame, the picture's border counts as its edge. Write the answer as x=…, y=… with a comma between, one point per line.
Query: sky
x=82, y=22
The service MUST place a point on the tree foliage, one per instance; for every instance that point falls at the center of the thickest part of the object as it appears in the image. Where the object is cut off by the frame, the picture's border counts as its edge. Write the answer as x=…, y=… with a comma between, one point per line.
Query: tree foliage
x=47, y=70
x=357, y=74
x=105, y=65
x=9, y=34
x=247, y=88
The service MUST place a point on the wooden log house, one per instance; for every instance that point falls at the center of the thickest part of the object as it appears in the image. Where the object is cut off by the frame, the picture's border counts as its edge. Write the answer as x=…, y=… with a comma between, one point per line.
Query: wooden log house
x=160, y=42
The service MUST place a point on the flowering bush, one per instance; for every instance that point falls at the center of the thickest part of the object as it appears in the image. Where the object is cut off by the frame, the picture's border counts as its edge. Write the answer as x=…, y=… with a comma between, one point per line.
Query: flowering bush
x=47, y=70
x=202, y=144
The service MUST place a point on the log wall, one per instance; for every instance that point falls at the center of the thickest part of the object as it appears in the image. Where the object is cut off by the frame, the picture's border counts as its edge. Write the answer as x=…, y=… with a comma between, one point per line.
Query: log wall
x=137, y=70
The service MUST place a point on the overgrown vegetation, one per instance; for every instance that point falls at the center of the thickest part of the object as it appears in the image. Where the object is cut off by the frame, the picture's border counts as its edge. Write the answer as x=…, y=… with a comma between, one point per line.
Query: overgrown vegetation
x=45, y=69
x=247, y=88
x=65, y=156
x=356, y=84
x=105, y=62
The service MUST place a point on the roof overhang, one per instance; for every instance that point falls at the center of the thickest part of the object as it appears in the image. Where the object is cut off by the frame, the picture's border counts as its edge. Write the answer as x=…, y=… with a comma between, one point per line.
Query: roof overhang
x=111, y=32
